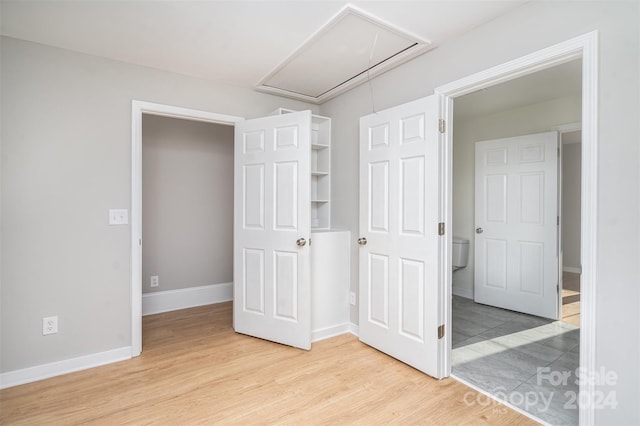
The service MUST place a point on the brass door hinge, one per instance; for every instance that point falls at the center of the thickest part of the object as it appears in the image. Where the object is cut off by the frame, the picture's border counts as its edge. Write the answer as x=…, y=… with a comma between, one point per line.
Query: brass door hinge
x=441, y=331
x=441, y=228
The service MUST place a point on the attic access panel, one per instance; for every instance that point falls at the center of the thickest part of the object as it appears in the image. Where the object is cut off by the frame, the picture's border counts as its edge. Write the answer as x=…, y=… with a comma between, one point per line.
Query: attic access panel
x=347, y=50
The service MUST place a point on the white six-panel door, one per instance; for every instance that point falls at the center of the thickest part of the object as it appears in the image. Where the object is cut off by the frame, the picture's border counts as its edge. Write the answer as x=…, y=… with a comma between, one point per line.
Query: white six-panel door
x=516, y=211
x=399, y=212
x=272, y=289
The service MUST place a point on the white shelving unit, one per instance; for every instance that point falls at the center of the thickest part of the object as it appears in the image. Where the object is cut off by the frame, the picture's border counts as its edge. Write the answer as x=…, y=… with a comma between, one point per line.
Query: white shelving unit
x=320, y=170
x=330, y=252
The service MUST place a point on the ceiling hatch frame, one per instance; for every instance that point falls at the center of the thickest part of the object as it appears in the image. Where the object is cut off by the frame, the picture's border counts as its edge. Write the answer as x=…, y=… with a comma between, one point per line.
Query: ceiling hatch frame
x=413, y=46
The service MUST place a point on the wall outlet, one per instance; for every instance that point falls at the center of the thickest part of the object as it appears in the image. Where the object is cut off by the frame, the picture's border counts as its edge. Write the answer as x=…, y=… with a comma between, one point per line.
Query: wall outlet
x=155, y=281
x=49, y=325
x=352, y=298
x=118, y=217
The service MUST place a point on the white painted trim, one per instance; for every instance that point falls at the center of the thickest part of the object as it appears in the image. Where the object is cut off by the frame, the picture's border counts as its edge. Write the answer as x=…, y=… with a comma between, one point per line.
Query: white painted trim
x=45, y=371
x=328, y=332
x=585, y=47
x=137, y=109
x=467, y=293
x=172, y=300
x=422, y=45
x=353, y=329
x=529, y=64
x=569, y=127
x=571, y=269
x=184, y=113
x=589, y=232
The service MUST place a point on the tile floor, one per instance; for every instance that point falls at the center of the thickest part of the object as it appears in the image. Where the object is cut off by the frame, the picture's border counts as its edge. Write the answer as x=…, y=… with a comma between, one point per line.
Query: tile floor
x=529, y=361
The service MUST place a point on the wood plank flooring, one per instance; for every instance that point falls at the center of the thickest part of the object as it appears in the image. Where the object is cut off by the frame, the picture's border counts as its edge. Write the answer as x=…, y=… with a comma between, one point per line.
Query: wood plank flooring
x=195, y=370
x=571, y=298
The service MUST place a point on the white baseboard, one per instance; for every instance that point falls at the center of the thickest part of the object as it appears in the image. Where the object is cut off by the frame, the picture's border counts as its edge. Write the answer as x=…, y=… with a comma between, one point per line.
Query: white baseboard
x=328, y=332
x=572, y=269
x=172, y=300
x=467, y=293
x=353, y=329
x=45, y=371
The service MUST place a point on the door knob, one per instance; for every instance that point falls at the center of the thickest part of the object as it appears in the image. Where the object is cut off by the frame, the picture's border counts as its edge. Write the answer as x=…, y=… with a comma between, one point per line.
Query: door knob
x=362, y=241
x=479, y=230
x=301, y=242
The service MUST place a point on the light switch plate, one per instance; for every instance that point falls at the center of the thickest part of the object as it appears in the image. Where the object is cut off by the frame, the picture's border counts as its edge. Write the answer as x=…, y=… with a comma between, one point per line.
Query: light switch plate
x=118, y=217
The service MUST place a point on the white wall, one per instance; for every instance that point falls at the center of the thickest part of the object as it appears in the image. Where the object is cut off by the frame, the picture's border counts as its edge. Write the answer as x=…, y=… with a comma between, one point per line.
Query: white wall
x=529, y=28
x=187, y=203
x=529, y=119
x=571, y=216
x=66, y=160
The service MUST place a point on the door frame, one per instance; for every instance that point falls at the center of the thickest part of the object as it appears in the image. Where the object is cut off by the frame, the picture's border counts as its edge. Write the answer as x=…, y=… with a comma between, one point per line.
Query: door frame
x=138, y=108
x=583, y=47
x=562, y=129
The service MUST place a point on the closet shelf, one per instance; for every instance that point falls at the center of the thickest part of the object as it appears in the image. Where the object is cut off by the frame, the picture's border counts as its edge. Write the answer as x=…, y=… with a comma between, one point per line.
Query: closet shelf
x=319, y=169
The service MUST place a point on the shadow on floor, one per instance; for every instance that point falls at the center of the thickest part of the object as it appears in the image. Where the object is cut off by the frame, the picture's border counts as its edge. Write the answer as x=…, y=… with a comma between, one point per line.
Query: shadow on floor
x=528, y=361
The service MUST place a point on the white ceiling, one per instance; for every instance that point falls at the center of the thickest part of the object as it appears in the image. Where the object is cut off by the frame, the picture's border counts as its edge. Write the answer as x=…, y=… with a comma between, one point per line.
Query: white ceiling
x=552, y=83
x=235, y=42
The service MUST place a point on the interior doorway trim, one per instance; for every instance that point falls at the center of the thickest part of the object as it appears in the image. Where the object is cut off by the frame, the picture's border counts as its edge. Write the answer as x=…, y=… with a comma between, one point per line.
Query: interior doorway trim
x=138, y=108
x=586, y=48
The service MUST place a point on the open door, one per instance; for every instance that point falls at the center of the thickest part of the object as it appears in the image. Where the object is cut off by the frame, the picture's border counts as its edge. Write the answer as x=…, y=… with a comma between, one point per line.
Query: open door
x=517, y=219
x=399, y=234
x=271, y=266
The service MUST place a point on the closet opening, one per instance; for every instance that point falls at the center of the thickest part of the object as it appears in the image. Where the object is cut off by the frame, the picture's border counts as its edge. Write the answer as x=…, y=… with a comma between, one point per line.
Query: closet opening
x=187, y=212
x=186, y=218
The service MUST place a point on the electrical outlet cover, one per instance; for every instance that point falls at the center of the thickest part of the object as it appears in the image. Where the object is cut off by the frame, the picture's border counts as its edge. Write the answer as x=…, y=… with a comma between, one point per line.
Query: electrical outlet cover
x=49, y=325
x=118, y=217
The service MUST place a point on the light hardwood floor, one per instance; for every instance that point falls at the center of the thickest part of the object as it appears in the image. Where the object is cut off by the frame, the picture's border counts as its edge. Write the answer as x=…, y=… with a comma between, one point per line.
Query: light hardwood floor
x=571, y=298
x=195, y=370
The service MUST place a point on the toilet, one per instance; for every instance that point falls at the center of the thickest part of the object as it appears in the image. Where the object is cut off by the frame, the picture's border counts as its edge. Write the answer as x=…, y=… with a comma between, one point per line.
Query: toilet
x=460, y=253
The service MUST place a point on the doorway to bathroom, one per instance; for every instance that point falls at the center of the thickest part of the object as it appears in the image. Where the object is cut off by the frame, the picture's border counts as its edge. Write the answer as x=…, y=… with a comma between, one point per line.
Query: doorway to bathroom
x=498, y=350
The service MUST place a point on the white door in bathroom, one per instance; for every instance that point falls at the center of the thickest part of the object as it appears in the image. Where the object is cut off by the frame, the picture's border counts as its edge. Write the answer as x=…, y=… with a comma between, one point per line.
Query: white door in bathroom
x=271, y=258
x=516, y=217
x=399, y=241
